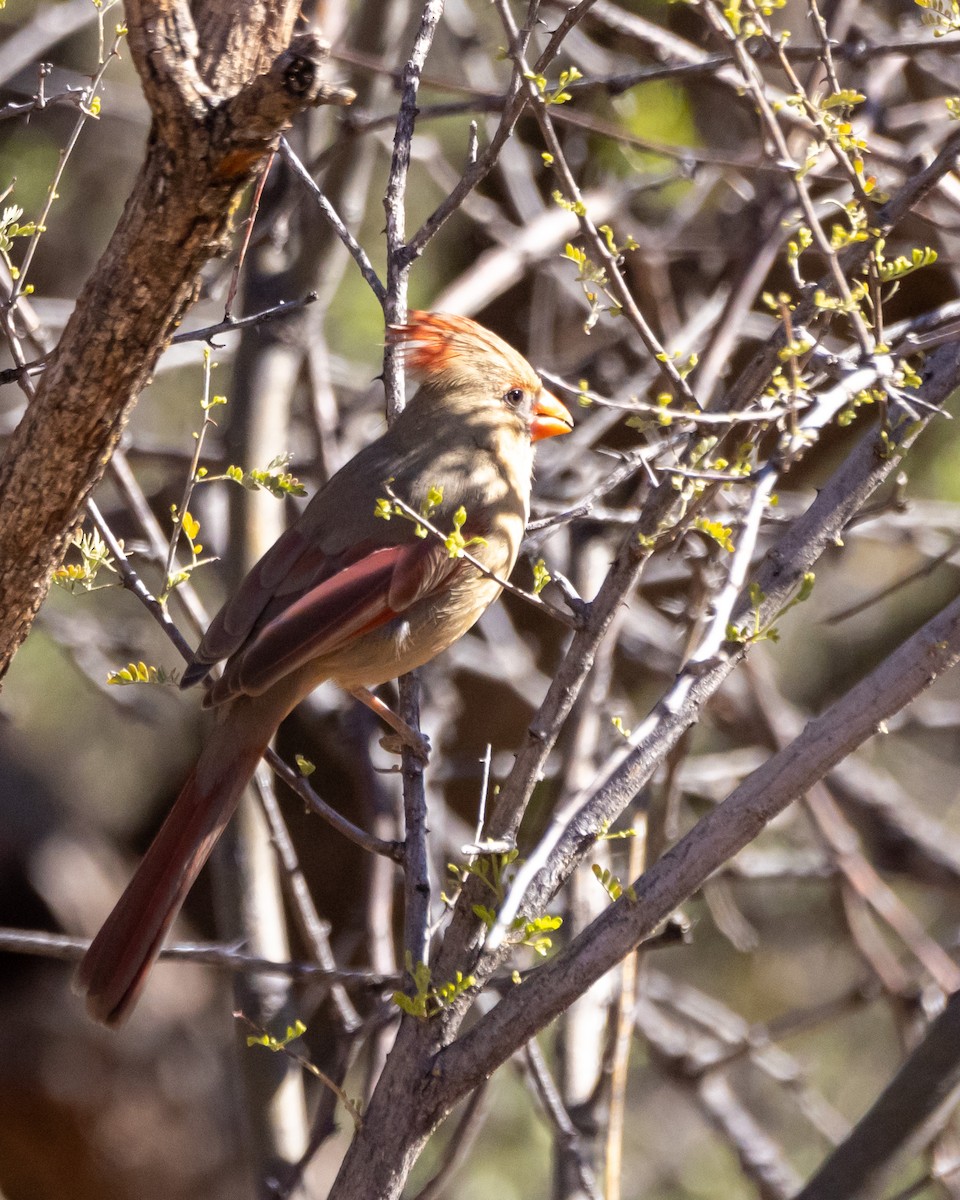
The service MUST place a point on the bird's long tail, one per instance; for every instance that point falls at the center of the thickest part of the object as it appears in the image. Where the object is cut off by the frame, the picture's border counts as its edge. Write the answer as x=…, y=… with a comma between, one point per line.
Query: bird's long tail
x=113, y=971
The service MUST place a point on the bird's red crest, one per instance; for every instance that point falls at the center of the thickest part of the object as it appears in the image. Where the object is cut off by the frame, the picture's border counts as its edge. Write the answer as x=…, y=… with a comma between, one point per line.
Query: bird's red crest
x=433, y=343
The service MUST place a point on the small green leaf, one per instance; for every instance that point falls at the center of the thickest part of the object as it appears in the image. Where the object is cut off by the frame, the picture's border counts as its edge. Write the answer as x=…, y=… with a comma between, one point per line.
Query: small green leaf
x=486, y=915
x=269, y=1042
x=191, y=526
x=842, y=99
x=140, y=672
x=716, y=530
x=617, y=723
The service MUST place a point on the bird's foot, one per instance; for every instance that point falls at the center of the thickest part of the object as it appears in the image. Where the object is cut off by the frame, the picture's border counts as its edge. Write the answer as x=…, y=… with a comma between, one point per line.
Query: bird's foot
x=404, y=735
x=417, y=743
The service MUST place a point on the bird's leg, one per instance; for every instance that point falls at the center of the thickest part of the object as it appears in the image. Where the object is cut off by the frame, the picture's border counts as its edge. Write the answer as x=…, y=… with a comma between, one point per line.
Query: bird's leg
x=418, y=742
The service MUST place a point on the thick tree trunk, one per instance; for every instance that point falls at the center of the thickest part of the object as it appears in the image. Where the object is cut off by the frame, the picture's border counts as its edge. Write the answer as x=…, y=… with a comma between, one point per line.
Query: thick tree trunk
x=203, y=150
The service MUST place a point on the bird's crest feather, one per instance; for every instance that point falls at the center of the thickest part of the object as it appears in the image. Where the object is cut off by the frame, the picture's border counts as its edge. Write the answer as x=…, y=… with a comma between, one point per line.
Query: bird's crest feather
x=434, y=344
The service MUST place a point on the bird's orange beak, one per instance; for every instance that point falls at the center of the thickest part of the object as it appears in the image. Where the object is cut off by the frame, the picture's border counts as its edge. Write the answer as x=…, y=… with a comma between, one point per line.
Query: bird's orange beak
x=550, y=417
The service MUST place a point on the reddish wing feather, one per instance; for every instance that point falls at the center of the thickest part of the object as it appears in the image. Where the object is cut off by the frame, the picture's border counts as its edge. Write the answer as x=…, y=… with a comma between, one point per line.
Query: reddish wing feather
x=361, y=596
x=319, y=621
x=290, y=568
x=228, y=630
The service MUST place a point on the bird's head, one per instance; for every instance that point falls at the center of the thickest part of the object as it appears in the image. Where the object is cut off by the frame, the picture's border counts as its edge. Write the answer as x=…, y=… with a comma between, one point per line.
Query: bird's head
x=455, y=357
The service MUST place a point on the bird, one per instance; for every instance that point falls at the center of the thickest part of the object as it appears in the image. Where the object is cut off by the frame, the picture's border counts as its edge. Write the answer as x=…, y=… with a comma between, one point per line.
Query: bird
x=352, y=592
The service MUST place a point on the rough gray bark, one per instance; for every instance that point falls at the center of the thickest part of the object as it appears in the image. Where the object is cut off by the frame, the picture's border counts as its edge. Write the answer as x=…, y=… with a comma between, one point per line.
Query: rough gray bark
x=205, y=146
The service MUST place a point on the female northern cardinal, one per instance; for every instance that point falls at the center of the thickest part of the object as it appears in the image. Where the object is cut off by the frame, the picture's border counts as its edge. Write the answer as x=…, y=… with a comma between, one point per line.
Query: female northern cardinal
x=346, y=596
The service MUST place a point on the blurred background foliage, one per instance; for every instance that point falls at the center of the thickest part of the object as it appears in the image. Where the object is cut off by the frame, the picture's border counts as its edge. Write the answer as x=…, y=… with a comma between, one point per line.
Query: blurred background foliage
x=87, y=770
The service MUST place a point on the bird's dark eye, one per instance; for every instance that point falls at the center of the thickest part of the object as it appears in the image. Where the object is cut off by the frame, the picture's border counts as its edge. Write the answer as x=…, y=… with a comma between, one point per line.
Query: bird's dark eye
x=514, y=397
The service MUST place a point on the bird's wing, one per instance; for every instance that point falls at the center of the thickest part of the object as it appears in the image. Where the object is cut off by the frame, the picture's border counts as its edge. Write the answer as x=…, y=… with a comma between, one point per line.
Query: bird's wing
x=328, y=537
x=233, y=624
x=299, y=624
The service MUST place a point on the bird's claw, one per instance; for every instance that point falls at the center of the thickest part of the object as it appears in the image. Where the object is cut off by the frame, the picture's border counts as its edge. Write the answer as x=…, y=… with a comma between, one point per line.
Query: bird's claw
x=417, y=743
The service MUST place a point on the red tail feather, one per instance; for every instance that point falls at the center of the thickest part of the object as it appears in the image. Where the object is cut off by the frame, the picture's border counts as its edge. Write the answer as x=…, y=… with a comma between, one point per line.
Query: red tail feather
x=115, y=968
